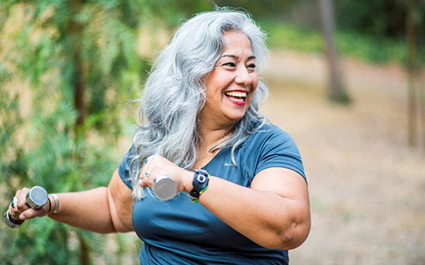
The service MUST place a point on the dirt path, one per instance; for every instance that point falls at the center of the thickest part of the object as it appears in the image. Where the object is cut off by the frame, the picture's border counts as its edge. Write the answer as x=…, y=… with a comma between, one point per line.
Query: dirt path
x=366, y=186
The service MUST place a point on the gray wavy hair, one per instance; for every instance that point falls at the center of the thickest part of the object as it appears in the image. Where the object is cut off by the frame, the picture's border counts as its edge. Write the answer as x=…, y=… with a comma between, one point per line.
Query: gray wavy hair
x=175, y=92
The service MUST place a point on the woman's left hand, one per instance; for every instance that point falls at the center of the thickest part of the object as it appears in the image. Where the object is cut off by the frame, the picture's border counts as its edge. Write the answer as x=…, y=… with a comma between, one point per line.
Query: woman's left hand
x=158, y=165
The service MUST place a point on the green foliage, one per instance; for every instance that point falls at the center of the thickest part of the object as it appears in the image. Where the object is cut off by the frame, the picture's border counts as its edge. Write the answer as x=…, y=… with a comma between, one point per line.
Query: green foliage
x=45, y=46
x=378, y=18
x=373, y=17
x=349, y=43
x=171, y=11
x=371, y=49
x=293, y=37
x=265, y=8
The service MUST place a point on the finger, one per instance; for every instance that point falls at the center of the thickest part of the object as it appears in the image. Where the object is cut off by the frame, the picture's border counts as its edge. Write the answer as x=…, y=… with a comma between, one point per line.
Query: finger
x=14, y=209
x=147, y=170
x=21, y=195
x=14, y=212
x=29, y=214
x=14, y=202
x=144, y=173
x=148, y=159
x=142, y=183
x=147, y=174
x=147, y=178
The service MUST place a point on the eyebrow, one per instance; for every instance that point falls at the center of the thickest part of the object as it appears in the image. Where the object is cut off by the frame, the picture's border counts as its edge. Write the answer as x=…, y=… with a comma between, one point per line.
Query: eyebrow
x=237, y=57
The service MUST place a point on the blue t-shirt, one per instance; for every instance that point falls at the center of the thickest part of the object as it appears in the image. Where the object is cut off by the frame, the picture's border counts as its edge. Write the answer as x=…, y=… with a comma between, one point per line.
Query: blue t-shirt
x=179, y=231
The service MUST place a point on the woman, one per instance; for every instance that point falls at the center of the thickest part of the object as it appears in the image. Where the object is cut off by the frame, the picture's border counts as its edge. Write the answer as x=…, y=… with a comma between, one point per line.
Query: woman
x=200, y=111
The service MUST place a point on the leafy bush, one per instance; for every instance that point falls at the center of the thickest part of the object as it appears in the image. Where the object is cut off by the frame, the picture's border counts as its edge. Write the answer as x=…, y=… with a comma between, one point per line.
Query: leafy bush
x=49, y=50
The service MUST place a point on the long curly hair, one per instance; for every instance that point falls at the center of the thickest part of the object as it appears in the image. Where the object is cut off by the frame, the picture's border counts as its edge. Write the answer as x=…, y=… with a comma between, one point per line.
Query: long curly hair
x=175, y=93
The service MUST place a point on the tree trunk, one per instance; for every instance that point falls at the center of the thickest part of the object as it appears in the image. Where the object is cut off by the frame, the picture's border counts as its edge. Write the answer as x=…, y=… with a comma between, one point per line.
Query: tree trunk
x=79, y=88
x=336, y=90
x=85, y=251
x=421, y=90
x=78, y=77
x=411, y=74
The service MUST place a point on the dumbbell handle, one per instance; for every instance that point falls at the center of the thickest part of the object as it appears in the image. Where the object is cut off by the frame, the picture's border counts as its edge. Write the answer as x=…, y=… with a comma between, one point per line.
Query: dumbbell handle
x=36, y=198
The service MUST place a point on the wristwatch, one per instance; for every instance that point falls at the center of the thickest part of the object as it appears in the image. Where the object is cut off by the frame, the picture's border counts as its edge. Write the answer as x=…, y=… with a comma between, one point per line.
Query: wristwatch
x=200, y=182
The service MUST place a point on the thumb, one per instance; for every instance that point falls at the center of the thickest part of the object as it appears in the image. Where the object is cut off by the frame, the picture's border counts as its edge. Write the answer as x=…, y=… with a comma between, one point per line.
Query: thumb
x=31, y=213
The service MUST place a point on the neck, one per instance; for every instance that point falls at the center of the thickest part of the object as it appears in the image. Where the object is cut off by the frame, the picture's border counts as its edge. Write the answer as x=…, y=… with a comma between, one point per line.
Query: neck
x=211, y=136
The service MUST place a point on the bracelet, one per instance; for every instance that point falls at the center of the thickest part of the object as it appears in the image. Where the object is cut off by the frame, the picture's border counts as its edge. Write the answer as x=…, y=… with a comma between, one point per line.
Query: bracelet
x=200, y=182
x=55, y=210
x=50, y=205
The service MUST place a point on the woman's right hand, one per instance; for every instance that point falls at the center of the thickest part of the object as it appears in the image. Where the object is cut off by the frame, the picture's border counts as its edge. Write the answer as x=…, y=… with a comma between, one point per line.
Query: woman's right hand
x=22, y=211
x=159, y=165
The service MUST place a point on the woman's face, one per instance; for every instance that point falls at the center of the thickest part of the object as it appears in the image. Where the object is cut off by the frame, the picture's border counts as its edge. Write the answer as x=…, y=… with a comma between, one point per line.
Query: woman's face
x=231, y=84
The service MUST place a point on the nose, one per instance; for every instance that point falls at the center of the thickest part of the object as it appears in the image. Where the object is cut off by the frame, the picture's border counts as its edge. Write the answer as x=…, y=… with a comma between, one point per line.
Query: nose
x=243, y=77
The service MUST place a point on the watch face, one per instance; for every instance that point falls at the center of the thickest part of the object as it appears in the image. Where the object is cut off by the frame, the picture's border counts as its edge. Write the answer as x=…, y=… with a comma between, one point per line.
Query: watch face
x=201, y=178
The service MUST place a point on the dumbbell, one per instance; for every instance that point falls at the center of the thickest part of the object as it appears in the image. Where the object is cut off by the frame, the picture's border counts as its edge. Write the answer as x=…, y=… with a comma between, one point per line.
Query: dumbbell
x=36, y=198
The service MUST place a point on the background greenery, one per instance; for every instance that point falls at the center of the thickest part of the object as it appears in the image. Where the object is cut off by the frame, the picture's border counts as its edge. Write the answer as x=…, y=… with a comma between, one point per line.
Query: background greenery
x=50, y=51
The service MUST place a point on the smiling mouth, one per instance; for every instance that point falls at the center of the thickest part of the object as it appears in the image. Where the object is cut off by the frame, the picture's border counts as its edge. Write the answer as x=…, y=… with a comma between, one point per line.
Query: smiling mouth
x=236, y=97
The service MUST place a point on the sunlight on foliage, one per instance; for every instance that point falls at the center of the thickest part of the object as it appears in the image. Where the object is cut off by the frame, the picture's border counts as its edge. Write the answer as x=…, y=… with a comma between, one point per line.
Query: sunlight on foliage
x=46, y=46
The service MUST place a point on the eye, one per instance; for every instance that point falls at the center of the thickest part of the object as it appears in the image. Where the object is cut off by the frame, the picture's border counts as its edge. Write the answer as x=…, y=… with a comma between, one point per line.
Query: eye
x=251, y=67
x=229, y=64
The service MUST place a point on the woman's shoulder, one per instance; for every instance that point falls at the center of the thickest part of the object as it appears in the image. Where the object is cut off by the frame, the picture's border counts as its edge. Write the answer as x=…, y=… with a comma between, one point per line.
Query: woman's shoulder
x=268, y=140
x=266, y=133
x=271, y=146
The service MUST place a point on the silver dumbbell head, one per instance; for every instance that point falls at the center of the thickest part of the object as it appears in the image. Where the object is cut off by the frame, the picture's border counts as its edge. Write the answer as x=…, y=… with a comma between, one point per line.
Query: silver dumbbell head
x=165, y=187
x=37, y=197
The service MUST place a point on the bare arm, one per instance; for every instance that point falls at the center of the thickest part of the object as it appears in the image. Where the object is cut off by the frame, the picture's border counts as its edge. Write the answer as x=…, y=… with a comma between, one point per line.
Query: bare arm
x=102, y=210
x=274, y=213
x=121, y=204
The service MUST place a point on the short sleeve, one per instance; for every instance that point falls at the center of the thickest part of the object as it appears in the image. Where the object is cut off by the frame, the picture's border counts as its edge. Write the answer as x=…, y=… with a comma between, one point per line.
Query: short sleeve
x=124, y=168
x=278, y=149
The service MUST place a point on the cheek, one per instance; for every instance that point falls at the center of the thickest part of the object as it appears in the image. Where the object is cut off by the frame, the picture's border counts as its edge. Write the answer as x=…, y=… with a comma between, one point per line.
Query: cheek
x=255, y=81
x=213, y=86
x=251, y=95
x=255, y=84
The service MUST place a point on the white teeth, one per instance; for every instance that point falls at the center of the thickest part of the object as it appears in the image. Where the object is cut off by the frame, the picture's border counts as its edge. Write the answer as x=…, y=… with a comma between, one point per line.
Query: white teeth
x=237, y=94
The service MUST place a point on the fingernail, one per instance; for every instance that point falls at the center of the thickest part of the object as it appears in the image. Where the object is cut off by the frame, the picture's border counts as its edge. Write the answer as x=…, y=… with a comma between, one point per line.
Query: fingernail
x=22, y=217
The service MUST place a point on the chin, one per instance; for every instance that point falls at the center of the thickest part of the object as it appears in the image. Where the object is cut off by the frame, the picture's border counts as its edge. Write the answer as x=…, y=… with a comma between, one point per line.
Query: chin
x=236, y=117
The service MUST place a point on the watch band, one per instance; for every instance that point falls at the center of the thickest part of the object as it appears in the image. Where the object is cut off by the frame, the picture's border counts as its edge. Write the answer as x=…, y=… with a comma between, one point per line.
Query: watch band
x=200, y=182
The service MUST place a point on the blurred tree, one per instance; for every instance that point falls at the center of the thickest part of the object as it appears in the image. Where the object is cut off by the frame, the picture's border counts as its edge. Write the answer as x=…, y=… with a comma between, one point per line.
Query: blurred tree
x=260, y=9
x=415, y=16
x=411, y=72
x=374, y=17
x=337, y=90
x=66, y=70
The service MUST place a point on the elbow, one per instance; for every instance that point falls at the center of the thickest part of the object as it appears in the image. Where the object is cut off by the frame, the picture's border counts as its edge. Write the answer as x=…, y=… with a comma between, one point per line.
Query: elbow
x=294, y=236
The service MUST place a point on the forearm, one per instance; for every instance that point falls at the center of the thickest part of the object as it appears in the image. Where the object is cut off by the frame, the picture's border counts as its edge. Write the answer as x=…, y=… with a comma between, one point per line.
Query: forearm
x=264, y=217
x=274, y=212
x=88, y=210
